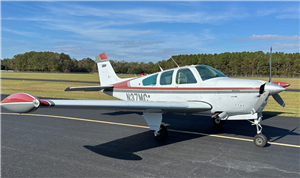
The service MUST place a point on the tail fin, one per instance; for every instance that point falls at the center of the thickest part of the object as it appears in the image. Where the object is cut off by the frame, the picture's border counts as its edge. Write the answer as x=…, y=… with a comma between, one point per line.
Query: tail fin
x=107, y=74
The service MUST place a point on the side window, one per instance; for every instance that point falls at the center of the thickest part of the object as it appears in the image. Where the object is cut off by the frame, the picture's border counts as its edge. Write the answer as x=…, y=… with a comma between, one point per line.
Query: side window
x=185, y=76
x=150, y=80
x=166, y=78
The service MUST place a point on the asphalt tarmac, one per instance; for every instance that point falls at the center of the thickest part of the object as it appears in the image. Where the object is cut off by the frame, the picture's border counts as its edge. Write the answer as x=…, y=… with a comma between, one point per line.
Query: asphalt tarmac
x=97, y=143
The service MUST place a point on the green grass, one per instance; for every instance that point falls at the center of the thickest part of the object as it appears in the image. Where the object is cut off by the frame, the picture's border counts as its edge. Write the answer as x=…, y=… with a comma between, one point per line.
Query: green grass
x=292, y=105
x=57, y=76
x=50, y=90
x=56, y=89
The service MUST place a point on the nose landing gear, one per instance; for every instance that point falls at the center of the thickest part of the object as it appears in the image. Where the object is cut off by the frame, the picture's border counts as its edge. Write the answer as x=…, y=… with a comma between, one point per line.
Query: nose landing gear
x=260, y=139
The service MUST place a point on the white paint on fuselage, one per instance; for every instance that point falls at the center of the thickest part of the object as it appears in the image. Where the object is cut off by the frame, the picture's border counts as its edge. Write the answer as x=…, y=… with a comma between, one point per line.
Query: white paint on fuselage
x=236, y=100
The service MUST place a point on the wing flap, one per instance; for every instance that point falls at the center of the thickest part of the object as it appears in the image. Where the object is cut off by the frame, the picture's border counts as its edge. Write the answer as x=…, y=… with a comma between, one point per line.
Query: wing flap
x=89, y=88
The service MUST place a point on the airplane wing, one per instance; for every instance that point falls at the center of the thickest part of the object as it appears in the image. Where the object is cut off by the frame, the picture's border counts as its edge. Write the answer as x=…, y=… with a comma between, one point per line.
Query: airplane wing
x=22, y=103
x=89, y=88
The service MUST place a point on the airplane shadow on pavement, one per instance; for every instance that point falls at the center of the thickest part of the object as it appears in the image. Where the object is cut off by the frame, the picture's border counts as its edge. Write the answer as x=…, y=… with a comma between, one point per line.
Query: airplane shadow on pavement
x=125, y=148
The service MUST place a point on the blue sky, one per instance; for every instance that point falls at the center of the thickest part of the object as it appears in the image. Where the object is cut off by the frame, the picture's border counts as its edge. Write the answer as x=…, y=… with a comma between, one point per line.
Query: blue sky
x=147, y=31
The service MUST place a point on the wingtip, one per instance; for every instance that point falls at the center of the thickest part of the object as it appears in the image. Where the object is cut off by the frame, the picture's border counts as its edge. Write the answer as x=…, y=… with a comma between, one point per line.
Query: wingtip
x=68, y=89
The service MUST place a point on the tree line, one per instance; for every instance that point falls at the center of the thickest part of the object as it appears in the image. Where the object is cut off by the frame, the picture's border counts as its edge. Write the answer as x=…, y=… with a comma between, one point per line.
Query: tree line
x=231, y=64
x=48, y=62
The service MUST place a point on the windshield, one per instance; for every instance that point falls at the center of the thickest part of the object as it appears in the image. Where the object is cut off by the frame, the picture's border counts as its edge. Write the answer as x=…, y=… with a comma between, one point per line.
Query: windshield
x=207, y=72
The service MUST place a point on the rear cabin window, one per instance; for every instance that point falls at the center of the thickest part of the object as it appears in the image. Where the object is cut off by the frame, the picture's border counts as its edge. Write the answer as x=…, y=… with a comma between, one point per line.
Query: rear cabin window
x=185, y=76
x=166, y=78
x=150, y=80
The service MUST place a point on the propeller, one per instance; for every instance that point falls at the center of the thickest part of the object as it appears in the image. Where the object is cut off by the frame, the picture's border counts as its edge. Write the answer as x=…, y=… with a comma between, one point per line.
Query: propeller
x=278, y=99
x=273, y=88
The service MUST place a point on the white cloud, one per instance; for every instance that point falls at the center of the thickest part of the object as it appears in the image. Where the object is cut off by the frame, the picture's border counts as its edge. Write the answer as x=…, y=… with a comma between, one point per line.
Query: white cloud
x=287, y=11
x=280, y=46
x=146, y=15
x=23, y=33
x=269, y=37
x=37, y=19
x=291, y=12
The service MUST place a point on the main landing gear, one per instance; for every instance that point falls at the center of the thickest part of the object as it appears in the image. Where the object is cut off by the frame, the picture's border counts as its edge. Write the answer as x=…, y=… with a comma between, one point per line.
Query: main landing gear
x=161, y=134
x=217, y=121
x=260, y=139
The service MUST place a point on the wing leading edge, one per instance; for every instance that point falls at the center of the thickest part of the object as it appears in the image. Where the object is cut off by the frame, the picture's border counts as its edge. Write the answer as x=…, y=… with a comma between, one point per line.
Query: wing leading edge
x=132, y=105
x=23, y=102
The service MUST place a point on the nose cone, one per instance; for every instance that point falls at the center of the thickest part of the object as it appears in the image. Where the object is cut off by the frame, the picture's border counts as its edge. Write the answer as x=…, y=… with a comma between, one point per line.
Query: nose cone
x=273, y=88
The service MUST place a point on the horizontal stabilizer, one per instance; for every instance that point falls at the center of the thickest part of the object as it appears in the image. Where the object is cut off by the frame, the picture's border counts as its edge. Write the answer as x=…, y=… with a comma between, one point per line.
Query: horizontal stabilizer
x=89, y=88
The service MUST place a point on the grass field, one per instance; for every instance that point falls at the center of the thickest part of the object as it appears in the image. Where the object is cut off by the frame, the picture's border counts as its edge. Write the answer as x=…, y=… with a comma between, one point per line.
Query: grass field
x=56, y=89
x=56, y=76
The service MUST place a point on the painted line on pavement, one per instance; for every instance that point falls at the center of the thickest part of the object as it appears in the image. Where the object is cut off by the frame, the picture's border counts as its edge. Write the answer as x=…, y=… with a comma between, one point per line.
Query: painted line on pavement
x=146, y=127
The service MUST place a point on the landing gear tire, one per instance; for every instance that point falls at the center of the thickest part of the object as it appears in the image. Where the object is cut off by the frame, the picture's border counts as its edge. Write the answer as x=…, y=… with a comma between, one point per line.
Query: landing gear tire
x=260, y=140
x=162, y=134
x=218, y=122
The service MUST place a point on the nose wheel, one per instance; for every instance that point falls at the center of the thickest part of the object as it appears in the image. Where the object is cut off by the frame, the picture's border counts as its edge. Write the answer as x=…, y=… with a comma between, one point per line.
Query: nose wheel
x=161, y=134
x=260, y=139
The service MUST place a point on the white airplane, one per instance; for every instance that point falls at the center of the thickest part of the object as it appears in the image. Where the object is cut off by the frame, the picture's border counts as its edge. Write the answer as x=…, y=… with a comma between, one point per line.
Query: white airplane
x=187, y=90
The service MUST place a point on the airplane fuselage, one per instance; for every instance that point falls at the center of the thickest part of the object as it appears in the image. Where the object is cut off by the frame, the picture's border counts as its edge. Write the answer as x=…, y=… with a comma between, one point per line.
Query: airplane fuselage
x=235, y=96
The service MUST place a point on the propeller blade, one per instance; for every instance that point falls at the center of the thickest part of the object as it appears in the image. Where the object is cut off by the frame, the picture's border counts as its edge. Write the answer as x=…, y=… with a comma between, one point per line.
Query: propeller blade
x=278, y=99
x=270, y=78
x=261, y=103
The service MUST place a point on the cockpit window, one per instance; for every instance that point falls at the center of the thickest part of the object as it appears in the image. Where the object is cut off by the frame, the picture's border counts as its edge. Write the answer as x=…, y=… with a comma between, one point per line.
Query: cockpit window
x=166, y=78
x=207, y=72
x=185, y=76
x=150, y=80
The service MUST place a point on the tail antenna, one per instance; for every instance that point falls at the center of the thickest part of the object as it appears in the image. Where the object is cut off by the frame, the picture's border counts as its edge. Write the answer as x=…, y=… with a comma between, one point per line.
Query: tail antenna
x=174, y=61
x=270, y=79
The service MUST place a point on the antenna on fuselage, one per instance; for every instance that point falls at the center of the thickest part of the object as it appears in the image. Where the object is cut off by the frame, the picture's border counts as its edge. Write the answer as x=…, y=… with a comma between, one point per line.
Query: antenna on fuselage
x=160, y=67
x=174, y=61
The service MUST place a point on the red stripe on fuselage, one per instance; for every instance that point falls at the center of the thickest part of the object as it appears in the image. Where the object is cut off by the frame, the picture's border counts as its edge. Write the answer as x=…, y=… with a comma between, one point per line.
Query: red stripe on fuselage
x=125, y=86
x=184, y=89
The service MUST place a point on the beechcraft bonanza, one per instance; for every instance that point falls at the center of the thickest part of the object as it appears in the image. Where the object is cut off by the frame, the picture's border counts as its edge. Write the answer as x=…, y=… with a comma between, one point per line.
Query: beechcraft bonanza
x=187, y=90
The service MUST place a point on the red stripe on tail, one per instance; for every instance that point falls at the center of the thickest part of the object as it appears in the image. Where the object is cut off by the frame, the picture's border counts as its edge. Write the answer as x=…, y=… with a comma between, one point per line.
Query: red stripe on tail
x=103, y=56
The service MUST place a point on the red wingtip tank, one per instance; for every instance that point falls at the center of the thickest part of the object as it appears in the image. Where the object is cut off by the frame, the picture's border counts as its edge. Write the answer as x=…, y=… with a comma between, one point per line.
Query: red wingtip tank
x=22, y=103
x=283, y=84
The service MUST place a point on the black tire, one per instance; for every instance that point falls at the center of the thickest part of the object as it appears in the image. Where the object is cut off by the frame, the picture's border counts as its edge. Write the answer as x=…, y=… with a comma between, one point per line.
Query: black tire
x=218, y=122
x=162, y=133
x=260, y=140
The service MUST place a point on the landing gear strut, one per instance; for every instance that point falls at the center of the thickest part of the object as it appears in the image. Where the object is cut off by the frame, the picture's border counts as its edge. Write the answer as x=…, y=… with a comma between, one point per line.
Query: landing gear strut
x=260, y=139
x=161, y=134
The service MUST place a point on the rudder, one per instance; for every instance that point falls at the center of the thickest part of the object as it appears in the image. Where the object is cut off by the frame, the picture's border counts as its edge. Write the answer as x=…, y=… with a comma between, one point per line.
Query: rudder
x=107, y=74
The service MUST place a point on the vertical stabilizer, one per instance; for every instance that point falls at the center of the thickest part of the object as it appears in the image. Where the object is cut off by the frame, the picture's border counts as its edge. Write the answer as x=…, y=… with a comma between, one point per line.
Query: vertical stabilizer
x=107, y=74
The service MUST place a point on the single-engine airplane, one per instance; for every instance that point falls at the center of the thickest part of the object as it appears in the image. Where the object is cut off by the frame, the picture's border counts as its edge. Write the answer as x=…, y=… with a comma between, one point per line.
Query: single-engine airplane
x=187, y=90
